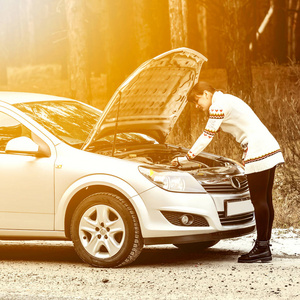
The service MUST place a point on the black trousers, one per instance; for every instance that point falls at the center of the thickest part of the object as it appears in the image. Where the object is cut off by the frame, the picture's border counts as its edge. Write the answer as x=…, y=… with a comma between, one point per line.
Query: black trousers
x=260, y=186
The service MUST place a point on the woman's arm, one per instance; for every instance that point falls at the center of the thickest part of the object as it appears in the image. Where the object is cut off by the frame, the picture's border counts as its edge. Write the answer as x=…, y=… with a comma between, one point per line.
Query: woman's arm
x=216, y=116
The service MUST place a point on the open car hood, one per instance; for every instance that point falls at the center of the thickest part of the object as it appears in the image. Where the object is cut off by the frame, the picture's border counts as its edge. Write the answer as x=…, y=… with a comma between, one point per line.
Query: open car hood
x=152, y=98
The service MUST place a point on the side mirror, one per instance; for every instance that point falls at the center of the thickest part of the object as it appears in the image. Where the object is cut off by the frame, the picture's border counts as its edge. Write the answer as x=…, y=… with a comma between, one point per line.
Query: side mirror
x=22, y=145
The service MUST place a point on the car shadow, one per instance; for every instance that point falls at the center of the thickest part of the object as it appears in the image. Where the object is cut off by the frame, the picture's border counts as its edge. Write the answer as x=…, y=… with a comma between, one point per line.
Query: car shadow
x=172, y=255
x=64, y=252
x=38, y=251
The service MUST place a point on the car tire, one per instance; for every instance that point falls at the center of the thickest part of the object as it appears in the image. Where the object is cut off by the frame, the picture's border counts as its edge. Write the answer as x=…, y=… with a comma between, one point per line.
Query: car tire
x=194, y=247
x=105, y=231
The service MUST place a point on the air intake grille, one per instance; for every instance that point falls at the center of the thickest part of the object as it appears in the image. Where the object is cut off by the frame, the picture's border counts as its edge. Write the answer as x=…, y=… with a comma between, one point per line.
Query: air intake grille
x=226, y=186
x=235, y=220
x=174, y=218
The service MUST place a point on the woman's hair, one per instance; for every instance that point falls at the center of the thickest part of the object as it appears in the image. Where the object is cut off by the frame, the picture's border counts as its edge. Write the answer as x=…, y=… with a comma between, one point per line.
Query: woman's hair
x=199, y=89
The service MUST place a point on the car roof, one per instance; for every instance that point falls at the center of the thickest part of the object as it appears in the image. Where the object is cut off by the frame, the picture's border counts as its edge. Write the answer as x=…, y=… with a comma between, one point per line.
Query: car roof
x=22, y=97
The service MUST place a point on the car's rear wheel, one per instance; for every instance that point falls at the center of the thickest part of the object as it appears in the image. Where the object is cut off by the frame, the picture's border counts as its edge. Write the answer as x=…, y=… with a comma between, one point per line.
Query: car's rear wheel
x=193, y=247
x=105, y=231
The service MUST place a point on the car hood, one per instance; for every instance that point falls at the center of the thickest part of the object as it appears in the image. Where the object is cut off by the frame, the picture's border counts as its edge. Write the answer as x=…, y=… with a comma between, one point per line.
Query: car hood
x=151, y=99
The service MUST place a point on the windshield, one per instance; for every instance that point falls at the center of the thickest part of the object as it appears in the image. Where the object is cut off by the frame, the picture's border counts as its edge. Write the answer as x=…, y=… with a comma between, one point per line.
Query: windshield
x=69, y=121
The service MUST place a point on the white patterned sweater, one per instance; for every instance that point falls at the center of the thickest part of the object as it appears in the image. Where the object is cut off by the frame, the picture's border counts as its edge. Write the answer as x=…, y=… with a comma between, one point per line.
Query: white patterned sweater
x=232, y=115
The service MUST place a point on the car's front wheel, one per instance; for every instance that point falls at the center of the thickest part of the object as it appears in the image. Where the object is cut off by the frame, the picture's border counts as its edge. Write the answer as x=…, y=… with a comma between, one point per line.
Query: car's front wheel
x=105, y=231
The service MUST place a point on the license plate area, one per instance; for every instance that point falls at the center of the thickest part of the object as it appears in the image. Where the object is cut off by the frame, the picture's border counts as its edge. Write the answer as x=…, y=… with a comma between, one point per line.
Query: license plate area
x=238, y=207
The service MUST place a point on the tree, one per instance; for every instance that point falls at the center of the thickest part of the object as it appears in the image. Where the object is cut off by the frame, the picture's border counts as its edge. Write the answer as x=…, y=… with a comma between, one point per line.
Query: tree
x=3, y=59
x=178, y=23
x=78, y=50
x=120, y=44
x=151, y=28
x=280, y=31
x=197, y=26
x=3, y=43
x=27, y=31
x=142, y=30
x=237, y=33
x=179, y=38
x=297, y=36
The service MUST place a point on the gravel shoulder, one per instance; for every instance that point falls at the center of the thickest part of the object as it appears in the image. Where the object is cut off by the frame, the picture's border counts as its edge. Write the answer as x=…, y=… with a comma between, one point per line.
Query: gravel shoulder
x=52, y=270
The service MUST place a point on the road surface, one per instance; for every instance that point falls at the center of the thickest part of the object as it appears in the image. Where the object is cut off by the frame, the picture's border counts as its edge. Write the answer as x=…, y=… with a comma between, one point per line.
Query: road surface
x=52, y=270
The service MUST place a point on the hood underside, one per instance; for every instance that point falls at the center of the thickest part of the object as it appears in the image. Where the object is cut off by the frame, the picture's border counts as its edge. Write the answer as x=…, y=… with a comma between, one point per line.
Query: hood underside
x=152, y=98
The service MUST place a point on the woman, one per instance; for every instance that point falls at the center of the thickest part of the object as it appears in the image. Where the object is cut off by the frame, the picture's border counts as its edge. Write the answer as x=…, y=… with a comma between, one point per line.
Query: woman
x=261, y=155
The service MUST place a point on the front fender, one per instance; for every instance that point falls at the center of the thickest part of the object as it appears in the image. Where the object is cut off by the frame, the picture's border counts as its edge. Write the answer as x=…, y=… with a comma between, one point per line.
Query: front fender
x=103, y=180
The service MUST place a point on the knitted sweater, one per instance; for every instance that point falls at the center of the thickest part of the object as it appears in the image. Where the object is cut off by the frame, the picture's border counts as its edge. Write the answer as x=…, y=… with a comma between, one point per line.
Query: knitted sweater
x=232, y=115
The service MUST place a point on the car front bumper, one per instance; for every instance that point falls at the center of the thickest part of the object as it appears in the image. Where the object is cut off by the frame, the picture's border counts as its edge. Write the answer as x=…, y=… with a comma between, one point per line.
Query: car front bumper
x=158, y=229
x=214, y=236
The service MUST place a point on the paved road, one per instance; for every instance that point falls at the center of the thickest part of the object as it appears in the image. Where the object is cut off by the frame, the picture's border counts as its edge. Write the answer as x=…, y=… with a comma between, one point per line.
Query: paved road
x=52, y=270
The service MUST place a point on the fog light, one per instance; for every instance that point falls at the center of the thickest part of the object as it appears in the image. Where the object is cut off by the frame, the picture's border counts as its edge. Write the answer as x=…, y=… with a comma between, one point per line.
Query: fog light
x=187, y=220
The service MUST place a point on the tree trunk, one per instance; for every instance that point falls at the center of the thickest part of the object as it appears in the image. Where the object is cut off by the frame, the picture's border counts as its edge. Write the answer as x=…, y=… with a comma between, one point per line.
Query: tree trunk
x=3, y=63
x=178, y=23
x=121, y=58
x=197, y=26
x=280, y=31
x=142, y=30
x=27, y=32
x=157, y=12
x=237, y=34
x=293, y=8
x=297, y=37
x=78, y=65
x=179, y=38
x=3, y=49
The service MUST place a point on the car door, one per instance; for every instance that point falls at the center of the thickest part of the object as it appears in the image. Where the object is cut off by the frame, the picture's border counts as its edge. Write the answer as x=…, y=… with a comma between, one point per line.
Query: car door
x=26, y=181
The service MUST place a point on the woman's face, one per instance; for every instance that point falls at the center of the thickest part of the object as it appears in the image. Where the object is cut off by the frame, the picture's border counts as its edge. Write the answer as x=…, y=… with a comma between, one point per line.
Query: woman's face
x=204, y=101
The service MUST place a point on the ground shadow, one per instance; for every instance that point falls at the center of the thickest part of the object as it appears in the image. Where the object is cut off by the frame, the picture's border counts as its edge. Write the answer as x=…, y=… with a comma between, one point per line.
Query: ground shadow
x=39, y=252
x=172, y=255
x=150, y=256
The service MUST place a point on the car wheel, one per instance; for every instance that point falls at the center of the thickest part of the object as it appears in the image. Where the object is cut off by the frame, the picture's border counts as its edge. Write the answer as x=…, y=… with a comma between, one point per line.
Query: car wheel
x=193, y=247
x=105, y=231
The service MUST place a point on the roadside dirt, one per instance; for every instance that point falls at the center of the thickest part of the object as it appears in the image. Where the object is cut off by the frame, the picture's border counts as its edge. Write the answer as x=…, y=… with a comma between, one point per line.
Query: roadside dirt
x=52, y=270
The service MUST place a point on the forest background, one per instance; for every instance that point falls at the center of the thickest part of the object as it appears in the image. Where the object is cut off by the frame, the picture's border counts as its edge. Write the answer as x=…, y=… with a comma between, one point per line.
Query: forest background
x=85, y=49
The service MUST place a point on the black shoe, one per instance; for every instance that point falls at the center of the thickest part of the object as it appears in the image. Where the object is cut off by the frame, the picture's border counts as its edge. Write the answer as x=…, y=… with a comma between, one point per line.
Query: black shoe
x=260, y=252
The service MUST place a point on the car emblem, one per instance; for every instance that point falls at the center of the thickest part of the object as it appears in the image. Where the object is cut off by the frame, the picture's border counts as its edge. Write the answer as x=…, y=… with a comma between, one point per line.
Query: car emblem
x=235, y=183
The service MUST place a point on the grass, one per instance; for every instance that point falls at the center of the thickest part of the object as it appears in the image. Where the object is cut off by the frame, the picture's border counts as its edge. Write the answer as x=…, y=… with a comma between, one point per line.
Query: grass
x=276, y=102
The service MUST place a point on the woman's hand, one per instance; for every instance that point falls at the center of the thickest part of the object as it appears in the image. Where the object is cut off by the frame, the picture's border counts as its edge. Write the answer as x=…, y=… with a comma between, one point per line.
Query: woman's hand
x=175, y=162
x=178, y=161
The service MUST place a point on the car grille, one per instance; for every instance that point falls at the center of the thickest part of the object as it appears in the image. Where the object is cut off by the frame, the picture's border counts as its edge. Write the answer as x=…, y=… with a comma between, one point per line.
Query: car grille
x=235, y=220
x=226, y=186
x=174, y=218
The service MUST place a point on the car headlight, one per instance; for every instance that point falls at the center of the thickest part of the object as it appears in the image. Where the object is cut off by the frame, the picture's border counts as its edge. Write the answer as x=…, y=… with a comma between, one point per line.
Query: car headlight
x=172, y=181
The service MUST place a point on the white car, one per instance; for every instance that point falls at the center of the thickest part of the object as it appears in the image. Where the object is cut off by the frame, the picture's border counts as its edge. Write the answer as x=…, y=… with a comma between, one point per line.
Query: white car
x=104, y=179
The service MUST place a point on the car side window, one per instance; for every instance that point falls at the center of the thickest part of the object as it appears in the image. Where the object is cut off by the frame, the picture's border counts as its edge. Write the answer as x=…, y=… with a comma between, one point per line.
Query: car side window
x=10, y=128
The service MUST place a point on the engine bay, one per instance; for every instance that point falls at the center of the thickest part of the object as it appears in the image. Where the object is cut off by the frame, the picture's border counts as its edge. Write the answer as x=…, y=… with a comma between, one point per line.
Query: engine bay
x=160, y=156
